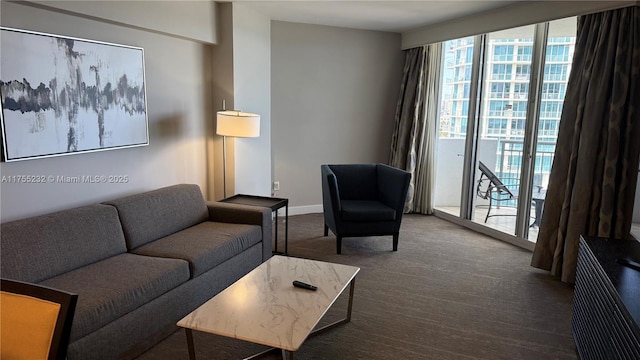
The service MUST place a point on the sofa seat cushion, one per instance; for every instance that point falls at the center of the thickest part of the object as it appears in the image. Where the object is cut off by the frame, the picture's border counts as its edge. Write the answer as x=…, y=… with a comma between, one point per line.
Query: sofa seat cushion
x=205, y=245
x=116, y=286
x=366, y=210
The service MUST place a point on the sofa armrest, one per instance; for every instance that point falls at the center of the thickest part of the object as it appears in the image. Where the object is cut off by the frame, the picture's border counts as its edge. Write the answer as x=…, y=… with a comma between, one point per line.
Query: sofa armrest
x=244, y=214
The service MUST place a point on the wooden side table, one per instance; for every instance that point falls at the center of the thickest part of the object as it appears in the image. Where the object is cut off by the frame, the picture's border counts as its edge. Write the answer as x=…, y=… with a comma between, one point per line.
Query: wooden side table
x=272, y=203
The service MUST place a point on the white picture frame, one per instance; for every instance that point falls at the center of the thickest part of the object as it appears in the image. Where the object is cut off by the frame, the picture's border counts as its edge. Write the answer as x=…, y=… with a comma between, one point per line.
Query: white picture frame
x=63, y=95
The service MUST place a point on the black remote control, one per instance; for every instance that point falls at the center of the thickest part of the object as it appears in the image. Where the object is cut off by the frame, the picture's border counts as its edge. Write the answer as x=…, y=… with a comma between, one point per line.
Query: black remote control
x=628, y=263
x=300, y=284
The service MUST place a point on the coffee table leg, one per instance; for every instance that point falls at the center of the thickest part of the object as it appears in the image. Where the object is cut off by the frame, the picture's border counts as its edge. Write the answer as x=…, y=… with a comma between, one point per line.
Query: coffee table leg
x=192, y=351
x=286, y=230
x=350, y=306
x=276, y=235
x=284, y=355
x=343, y=321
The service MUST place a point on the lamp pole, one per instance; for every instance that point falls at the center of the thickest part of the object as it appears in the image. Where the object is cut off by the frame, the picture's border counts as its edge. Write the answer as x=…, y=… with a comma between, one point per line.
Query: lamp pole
x=224, y=165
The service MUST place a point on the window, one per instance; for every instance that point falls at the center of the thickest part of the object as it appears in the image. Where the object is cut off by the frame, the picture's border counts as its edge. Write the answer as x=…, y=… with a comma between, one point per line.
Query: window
x=503, y=53
x=497, y=108
x=462, y=73
x=460, y=108
x=517, y=127
x=463, y=124
x=554, y=90
x=548, y=128
x=501, y=119
x=557, y=53
x=525, y=53
x=519, y=109
x=523, y=72
x=469, y=57
x=465, y=110
x=500, y=90
x=550, y=109
x=555, y=72
x=521, y=90
x=497, y=126
x=501, y=72
x=455, y=91
x=467, y=73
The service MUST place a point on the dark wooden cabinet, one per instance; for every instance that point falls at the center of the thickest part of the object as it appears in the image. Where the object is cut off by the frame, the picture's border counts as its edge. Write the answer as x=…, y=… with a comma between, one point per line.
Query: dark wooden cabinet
x=606, y=308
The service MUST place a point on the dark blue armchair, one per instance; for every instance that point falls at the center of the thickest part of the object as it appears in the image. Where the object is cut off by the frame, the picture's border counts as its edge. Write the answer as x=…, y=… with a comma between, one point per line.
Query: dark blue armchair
x=363, y=200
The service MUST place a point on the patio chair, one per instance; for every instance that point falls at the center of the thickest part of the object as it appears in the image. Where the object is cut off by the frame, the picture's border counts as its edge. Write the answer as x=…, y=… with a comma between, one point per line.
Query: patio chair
x=491, y=188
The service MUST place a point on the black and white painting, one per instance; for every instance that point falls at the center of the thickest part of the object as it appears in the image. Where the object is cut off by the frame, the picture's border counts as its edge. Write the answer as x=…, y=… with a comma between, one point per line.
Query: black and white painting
x=63, y=95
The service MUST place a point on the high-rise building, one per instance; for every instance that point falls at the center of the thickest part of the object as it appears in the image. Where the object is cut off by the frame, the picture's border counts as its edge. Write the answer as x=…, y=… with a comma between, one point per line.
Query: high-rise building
x=505, y=92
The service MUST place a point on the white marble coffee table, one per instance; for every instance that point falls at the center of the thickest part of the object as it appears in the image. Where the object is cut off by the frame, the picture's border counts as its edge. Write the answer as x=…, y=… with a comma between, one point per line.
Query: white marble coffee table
x=265, y=308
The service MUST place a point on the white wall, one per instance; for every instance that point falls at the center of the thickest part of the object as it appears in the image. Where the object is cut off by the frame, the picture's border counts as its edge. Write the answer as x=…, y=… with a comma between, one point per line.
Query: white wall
x=524, y=13
x=450, y=165
x=178, y=97
x=252, y=93
x=191, y=19
x=333, y=95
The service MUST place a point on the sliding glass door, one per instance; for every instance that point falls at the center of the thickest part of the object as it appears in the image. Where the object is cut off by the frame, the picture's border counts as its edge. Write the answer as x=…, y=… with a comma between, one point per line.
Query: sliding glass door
x=454, y=114
x=500, y=107
x=560, y=45
x=502, y=124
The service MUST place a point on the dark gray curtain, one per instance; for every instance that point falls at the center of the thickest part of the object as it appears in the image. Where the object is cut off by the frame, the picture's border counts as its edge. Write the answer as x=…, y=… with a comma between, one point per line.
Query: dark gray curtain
x=593, y=177
x=412, y=142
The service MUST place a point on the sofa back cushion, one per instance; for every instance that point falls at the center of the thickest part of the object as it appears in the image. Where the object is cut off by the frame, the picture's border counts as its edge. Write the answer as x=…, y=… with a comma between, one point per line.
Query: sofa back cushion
x=41, y=247
x=152, y=215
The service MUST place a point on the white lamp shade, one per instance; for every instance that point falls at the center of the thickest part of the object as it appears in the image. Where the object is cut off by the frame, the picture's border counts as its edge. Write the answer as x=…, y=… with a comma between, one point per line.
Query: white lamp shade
x=237, y=124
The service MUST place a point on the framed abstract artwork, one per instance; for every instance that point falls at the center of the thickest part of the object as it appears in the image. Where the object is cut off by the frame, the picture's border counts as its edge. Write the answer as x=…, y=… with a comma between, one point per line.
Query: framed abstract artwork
x=62, y=95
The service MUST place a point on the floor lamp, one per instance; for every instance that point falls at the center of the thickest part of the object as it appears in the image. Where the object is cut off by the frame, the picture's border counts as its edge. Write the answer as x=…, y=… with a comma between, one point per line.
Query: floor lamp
x=236, y=124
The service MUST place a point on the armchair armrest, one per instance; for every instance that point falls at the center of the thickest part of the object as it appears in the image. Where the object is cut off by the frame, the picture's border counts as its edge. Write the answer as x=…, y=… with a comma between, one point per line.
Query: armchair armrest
x=330, y=191
x=393, y=185
x=244, y=214
x=330, y=196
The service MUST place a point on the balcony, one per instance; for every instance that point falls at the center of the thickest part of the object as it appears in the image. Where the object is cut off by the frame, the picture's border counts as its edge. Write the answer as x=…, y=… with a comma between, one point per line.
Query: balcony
x=499, y=155
x=504, y=157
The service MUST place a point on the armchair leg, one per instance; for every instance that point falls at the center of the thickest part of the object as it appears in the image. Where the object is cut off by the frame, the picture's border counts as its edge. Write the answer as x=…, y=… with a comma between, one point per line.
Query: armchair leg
x=395, y=242
x=339, y=244
x=326, y=230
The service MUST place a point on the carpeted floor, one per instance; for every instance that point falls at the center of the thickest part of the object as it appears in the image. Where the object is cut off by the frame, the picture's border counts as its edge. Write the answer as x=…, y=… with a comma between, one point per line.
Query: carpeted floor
x=447, y=293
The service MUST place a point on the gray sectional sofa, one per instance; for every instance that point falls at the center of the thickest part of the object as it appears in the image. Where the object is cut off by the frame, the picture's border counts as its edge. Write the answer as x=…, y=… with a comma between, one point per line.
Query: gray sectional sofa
x=139, y=263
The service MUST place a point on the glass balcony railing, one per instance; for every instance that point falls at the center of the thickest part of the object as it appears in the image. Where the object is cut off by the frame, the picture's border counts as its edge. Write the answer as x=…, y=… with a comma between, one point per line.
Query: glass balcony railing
x=509, y=160
x=504, y=157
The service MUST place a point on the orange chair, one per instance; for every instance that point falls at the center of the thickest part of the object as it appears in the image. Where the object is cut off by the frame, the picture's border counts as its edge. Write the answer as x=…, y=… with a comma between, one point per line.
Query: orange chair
x=35, y=321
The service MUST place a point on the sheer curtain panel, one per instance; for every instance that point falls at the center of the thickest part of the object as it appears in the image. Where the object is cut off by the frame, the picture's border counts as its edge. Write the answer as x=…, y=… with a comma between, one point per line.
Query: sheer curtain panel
x=412, y=142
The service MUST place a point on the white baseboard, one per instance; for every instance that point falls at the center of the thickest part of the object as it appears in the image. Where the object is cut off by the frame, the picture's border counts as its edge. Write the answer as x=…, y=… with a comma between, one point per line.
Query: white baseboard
x=301, y=210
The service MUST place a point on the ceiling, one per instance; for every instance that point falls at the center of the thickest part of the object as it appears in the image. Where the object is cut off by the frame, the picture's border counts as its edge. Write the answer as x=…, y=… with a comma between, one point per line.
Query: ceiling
x=393, y=16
